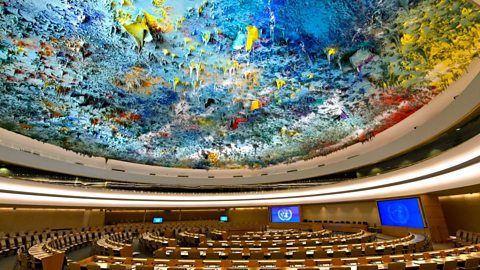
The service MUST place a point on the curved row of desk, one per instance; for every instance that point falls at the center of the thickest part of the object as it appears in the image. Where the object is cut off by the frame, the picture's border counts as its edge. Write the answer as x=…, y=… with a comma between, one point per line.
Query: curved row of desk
x=153, y=242
x=219, y=237
x=308, y=238
x=117, y=244
x=49, y=253
x=467, y=257
x=408, y=244
x=280, y=234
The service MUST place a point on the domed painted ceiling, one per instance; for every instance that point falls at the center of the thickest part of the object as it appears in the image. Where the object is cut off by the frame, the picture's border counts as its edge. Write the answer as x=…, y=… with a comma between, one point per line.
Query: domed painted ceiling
x=224, y=83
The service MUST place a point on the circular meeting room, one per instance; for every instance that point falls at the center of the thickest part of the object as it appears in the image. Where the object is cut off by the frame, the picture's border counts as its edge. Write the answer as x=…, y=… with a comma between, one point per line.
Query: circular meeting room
x=240, y=134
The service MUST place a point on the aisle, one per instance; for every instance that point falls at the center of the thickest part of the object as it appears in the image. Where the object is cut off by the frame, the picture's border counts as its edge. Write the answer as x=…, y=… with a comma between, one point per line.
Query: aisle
x=80, y=254
x=8, y=263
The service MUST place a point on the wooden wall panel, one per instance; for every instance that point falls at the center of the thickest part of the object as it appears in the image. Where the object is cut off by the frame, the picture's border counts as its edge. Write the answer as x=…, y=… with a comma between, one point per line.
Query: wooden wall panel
x=124, y=216
x=260, y=215
x=435, y=219
x=444, y=215
x=358, y=211
x=461, y=212
x=22, y=219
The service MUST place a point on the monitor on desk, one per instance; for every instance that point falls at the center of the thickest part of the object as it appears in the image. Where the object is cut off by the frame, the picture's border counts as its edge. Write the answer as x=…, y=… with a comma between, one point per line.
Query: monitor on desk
x=401, y=213
x=157, y=220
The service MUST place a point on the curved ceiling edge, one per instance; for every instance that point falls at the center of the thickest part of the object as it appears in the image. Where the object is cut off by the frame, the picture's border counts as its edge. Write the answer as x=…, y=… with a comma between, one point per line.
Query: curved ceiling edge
x=441, y=113
x=389, y=185
x=469, y=175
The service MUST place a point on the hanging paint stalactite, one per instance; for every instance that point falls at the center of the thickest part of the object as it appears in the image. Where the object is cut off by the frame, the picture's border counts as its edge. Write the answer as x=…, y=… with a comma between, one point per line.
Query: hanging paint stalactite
x=224, y=84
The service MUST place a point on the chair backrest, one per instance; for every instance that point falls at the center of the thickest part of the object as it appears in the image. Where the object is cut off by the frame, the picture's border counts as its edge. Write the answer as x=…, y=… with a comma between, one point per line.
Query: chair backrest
x=472, y=263
x=319, y=254
x=93, y=266
x=299, y=255
x=396, y=266
x=277, y=255
x=428, y=266
x=175, y=255
x=194, y=254
x=73, y=266
x=450, y=265
x=339, y=254
x=468, y=236
x=369, y=250
x=256, y=255
x=144, y=267
x=356, y=240
x=476, y=238
x=356, y=252
x=212, y=256
x=388, y=250
x=368, y=267
x=117, y=267
x=419, y=246
x=340, y=268
x=235, y=256
x=159, y=254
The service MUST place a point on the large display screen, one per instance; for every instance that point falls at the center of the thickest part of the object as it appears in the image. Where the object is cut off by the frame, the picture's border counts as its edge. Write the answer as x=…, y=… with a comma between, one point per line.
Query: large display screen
x=157, y=220
x=224, y=218
x=401, y=213
x=286, y=214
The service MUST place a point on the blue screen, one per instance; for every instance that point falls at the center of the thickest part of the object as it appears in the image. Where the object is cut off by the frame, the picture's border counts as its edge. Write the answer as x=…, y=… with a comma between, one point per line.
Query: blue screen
x=157, y=220
x=401, y=213
x=286, y=214
x=224, y=218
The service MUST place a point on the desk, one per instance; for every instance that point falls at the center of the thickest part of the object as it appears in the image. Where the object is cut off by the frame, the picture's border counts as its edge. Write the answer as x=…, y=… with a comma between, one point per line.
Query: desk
x=303, y=239
x=343, y=227
x=412, y=261
x=51, y=259
x=379, y=248
x=123, y=250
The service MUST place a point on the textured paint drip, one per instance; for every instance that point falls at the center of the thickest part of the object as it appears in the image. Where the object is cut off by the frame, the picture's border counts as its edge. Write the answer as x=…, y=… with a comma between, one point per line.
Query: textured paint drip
x=221, y=83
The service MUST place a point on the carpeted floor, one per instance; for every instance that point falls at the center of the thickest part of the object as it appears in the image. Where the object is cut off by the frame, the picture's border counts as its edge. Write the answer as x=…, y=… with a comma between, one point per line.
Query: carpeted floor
x=8, y=263
x=80, y=254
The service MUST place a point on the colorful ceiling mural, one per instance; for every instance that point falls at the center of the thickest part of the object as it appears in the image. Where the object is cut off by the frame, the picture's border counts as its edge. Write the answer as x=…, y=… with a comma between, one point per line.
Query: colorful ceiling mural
x=225, y=83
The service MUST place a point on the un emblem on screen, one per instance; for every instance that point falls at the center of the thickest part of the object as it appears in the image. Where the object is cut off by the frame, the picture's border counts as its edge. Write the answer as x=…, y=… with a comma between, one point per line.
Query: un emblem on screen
x=398, y=213
x=285, y=214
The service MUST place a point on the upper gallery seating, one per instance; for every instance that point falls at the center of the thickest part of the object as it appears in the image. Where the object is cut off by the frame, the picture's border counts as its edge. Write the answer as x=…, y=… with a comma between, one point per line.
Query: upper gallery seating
x=464, y=238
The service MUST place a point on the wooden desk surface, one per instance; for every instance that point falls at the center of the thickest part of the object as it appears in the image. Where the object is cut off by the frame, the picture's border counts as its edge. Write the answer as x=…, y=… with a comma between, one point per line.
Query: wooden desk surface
x=321, y=264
